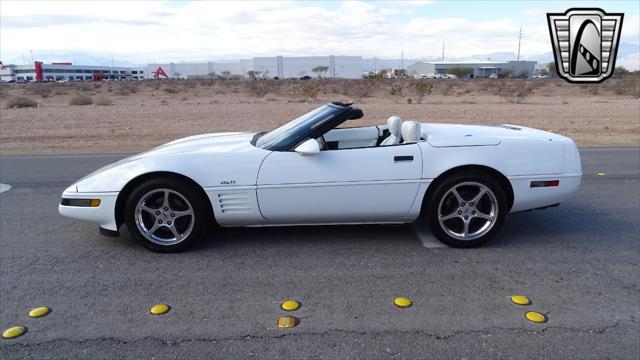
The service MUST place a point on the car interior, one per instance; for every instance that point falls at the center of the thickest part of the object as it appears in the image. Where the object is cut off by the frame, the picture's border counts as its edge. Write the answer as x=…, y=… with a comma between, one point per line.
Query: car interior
x=395, y=132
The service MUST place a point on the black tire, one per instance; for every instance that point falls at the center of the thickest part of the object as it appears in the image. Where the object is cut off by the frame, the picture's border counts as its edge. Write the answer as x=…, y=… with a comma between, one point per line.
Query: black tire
x=458, y=181
x=178, y=190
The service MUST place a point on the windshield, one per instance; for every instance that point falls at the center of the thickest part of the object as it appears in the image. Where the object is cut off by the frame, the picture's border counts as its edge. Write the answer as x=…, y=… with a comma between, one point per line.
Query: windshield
x=293, y=132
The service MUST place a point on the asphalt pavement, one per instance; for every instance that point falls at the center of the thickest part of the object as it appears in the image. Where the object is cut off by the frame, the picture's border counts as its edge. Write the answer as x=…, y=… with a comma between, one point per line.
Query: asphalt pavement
x=578, y=263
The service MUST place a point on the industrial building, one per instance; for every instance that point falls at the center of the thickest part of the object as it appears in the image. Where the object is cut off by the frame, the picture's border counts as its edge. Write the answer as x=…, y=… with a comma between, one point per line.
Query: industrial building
x=345, y=67
x=479, y=69
x=39, y=71
x=349, y=67
x=190, y=70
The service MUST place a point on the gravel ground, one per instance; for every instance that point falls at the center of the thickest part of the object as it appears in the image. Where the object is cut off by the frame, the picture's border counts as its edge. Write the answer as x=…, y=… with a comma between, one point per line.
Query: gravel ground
x=150, y=116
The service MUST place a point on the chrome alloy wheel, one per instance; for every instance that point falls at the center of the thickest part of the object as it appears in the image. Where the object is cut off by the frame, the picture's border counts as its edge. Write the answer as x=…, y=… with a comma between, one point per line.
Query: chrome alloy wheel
x=164, y=216
x=468, y=210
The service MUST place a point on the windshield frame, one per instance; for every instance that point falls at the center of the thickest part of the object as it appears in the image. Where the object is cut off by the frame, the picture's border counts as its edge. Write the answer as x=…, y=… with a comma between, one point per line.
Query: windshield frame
x=314, y=130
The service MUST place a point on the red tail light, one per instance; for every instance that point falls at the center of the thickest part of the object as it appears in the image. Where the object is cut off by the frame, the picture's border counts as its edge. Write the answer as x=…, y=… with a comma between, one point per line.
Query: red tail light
x=545, y=183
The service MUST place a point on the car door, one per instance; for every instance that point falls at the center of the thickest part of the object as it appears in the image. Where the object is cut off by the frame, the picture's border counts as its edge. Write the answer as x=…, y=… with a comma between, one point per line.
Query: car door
x=339, y=186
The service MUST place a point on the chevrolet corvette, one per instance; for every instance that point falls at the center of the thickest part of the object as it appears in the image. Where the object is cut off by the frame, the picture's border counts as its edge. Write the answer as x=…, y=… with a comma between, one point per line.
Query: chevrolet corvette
x=461, y=180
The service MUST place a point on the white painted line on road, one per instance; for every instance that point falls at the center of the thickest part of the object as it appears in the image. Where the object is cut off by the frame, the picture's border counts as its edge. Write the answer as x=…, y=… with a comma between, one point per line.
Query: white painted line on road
x=425, y=236
x=4, y=187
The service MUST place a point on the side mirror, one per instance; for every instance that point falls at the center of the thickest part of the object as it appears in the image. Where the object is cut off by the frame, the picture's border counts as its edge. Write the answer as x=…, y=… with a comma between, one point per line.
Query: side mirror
x=309, y=147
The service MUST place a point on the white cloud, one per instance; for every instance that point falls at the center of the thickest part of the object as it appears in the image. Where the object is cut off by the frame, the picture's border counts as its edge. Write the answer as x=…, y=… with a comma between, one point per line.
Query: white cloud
x=629, y=62
x=161, y=31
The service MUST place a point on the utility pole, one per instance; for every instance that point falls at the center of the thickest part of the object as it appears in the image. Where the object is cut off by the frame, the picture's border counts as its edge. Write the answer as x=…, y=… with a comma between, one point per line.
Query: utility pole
x=443, y=51
x=519, y=40
x=402, y=60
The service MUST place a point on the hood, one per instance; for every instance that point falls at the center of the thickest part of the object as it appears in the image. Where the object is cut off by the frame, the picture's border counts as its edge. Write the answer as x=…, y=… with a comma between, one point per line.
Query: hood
x=210, y=143
x=228, y=141
x=445, y=135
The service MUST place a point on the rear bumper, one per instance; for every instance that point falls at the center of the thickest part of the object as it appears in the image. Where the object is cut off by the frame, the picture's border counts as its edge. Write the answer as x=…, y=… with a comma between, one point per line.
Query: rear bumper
x=527, y=197
x=103, y=215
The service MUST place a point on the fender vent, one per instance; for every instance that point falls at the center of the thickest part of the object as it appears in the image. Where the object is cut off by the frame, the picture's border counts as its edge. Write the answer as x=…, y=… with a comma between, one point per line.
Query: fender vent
x=234, y=203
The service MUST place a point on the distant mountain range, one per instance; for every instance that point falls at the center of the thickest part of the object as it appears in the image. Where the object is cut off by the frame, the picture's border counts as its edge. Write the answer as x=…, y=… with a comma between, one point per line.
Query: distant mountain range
x=628, y=54
x=625, y=50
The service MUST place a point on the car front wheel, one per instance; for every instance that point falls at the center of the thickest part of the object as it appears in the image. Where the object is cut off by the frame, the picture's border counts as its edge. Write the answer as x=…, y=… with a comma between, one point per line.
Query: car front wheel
x=166, y=215
x=466, y=210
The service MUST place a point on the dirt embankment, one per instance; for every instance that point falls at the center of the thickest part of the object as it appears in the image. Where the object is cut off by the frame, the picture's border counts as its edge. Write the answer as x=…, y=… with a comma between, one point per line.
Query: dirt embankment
x=148, y=113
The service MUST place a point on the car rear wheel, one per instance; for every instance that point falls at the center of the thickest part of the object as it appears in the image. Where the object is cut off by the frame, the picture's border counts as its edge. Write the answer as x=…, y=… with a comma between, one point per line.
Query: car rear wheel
x=466, y=210
x=166, y=215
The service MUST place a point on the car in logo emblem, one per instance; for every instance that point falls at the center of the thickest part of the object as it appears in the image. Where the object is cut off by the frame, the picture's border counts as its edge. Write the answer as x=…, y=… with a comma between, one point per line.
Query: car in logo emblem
x=585, y=42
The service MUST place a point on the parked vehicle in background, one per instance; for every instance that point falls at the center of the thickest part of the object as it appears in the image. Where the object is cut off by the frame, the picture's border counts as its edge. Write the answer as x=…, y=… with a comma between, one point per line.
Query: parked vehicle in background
x=493, y=76
x=540, y=76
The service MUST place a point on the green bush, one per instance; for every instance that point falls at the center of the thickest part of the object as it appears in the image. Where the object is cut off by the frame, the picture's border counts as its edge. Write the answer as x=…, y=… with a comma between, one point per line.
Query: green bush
x=81, y=100
x=20, y=102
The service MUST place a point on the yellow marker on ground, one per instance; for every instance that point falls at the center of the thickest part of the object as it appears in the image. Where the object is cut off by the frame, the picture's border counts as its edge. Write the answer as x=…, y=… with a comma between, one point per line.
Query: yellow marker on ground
x=159, y=309
x=290, y=305
x=14, y=332
x=39, y=312
x=601, y=174
x=402, y=302
x=520, y=300
x=287, y=322
x=535, y=317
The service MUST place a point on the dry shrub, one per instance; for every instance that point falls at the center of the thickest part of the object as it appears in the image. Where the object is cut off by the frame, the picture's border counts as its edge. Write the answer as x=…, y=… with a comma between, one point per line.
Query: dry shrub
x=358, y=89
x=128, y=88
x=446, y=87
x=270, y=97
x=170, y=90
x=303, y=92
x=421, y=88
x=514, y=92
x=261, y=87
x=81, y=100
x=21, y=102
x=396, y=89
x=102, y=100
x=42, y=90
x=628, y=85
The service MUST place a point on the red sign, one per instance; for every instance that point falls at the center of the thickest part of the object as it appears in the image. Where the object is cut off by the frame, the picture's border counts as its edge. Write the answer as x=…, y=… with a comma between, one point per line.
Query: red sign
x=159, y=72
x=39, y=76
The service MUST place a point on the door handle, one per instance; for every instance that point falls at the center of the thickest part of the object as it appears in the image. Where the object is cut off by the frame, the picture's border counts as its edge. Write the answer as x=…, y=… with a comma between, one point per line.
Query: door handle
x=402, y=158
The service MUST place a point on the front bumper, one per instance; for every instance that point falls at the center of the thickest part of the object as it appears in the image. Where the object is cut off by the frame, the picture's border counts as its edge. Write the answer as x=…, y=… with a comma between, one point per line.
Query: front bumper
x=103, y=215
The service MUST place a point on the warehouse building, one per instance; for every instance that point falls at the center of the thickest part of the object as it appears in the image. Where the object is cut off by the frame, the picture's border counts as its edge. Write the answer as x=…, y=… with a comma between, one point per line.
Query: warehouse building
x=66, y=71
x=349, y=67
x=478, y=69
x=345, y=67
x=191, y=70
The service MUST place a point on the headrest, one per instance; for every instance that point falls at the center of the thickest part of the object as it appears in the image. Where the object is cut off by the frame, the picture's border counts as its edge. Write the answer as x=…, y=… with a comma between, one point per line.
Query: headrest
x=394, y=123
x=411, y=131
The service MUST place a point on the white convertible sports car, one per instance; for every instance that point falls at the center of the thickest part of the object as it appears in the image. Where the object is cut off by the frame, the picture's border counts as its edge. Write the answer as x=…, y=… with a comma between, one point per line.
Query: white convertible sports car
x=461, y=180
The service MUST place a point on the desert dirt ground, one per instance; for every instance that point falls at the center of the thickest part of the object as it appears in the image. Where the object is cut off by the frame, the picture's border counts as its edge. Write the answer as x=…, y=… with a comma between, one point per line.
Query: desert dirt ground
x=148, y=113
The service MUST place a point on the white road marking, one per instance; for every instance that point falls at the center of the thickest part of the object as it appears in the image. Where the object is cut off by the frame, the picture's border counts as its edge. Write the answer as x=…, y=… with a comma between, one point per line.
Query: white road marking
x=4, y=187
x=425, y=236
